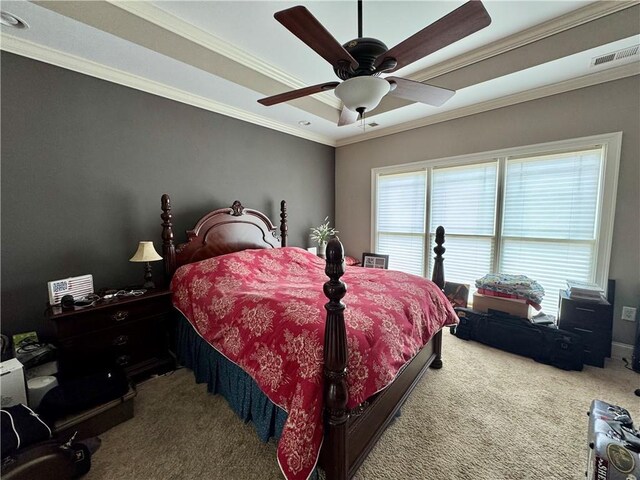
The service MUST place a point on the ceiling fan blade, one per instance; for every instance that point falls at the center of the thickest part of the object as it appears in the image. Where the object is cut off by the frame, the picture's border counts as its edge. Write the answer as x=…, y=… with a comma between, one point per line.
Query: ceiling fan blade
x=463, y=21
x=299, y=21
x=419, y=92
x=301, y=92
x=347, y=117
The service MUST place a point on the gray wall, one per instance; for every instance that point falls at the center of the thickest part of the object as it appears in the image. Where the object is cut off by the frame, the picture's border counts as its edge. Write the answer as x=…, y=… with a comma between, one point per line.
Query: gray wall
x=84, y=163
x=605, y=108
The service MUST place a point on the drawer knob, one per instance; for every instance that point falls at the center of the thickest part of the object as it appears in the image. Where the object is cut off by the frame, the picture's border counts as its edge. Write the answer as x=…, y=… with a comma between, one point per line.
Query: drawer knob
x=121, y=340
x=123, y=360
x=120, y=315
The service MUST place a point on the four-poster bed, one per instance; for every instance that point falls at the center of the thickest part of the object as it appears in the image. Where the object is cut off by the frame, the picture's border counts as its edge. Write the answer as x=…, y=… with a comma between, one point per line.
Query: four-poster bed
x=349, y=432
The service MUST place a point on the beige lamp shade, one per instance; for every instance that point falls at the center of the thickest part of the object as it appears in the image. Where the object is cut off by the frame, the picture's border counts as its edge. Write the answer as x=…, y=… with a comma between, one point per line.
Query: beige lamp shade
x=145, y=253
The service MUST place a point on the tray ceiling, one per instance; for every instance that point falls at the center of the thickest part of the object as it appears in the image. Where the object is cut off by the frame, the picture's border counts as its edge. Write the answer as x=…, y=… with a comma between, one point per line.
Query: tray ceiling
x=224, y=56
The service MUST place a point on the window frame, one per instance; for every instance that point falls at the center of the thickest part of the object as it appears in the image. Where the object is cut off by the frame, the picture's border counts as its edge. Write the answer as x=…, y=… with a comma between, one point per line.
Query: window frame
x=424, y=234
x=611, y=144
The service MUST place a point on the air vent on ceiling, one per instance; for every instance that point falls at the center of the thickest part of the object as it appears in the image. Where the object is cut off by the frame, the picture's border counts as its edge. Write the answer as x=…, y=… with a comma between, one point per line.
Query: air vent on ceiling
x=616, y=56
x=363, y=126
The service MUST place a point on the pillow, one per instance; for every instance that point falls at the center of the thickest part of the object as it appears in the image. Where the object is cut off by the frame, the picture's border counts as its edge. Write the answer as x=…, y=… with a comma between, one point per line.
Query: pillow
x=349, y=261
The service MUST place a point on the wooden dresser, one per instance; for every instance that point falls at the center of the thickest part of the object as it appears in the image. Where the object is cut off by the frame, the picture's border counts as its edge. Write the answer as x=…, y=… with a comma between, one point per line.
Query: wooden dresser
x=127, y=331
x=593, y=321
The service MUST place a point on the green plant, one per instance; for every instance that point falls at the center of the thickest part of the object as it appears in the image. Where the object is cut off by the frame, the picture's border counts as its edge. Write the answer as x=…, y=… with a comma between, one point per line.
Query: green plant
x=322, y=233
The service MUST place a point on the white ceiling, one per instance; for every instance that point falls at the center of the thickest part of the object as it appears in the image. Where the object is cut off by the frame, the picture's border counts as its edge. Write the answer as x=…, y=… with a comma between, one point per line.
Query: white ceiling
x=224, y=56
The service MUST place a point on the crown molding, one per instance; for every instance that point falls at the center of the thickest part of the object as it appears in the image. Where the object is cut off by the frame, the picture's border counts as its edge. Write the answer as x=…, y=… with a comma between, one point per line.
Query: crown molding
x=170, y=22
x=609, y=75
x=49, y=55
x=41, y=53
x=588, y=13
x=176, y=25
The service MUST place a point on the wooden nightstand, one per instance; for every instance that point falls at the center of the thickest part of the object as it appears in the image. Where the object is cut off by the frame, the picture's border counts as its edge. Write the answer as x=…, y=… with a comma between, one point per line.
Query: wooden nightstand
x=131, y=332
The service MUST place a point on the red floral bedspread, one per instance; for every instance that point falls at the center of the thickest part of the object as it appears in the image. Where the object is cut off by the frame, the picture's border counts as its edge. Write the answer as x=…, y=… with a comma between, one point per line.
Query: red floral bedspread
x=264, y=310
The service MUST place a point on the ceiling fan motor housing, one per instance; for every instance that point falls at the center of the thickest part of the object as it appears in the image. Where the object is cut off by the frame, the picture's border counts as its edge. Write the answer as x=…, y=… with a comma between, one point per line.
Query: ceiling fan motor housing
x=365, y=51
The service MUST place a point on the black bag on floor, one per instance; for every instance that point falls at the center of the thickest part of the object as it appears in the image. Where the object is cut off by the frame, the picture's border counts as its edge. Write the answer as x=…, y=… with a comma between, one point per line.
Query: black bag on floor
x=512, y=334
x=544, y=343
x=21, y=427
x=561, y=348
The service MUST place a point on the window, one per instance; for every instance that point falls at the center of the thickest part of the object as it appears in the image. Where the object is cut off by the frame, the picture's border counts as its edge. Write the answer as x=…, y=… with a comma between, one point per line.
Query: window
x=463, y=200
x=401, y=220
x=549, y=219
x=545, y=211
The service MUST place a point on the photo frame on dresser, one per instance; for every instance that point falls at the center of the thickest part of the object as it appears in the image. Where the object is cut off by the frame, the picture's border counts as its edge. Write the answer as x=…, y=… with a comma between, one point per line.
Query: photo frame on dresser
x=375, y=260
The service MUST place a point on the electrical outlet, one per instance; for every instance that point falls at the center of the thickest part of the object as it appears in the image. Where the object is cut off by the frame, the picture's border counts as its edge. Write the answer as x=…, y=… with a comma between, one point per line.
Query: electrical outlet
x=629, y=314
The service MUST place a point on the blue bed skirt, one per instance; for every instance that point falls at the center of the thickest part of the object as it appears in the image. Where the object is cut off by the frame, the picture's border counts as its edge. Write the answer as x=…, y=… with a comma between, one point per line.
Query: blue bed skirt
x=224, y=377
x=229, y=380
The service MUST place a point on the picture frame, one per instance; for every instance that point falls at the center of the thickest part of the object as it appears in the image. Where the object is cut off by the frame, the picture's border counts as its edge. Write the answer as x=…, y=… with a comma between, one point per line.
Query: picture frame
x=375, y=260
x=457, y=293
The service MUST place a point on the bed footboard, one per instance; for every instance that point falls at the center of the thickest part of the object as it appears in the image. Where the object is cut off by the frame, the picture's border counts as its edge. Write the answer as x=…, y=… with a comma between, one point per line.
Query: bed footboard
x=335, y=366
x=340, y=457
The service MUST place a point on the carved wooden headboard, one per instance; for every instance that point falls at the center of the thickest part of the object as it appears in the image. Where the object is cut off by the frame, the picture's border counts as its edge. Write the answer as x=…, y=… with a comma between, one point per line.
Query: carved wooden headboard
x=221, y=231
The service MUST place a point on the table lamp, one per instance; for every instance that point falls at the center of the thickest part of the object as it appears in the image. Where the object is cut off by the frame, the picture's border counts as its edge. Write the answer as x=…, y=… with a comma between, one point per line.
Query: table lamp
x=146, y=253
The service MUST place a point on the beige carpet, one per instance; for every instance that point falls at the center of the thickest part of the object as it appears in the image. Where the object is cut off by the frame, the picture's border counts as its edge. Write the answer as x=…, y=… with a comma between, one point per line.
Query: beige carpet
x=486, y=415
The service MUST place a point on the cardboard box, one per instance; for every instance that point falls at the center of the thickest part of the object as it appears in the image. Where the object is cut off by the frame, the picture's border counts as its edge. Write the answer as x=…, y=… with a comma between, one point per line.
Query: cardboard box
x=519, y=308
x=12, y=383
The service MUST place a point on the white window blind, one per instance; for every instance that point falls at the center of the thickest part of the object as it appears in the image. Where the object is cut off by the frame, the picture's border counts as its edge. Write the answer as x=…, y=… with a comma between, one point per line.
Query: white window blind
x=550, y=219
x=400, y=220
x=545, y=211
x=463, y=200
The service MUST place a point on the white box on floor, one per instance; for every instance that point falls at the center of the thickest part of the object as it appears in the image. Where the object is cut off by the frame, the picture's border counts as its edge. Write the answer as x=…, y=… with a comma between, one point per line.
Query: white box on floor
x=13, y=388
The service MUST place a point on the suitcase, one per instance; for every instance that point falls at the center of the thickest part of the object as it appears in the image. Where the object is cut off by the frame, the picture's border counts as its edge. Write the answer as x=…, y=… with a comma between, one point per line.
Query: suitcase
x=614, y=445
x=543, y=343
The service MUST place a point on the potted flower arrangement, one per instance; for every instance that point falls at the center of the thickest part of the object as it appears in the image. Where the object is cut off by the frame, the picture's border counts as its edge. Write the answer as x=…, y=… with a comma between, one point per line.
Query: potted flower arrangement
x=322, y=234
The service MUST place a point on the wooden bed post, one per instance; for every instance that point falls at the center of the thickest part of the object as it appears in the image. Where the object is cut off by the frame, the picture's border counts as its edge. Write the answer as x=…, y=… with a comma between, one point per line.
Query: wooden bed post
x=438, y=268
x=438, y=279
x=283, y=223
x=335, y=366
x=168, y=248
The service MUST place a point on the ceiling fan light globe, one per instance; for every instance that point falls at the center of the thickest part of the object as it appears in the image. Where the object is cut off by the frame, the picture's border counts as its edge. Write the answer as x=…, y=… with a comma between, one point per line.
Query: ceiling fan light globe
x=362, y=92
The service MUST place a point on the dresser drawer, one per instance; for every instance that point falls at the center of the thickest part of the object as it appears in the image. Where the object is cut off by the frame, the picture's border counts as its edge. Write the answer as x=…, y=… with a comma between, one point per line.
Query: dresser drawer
x=111, y=316
x=595, y=317
x=594, y=345
x=593, y=357
x=124, y=345
x=591, y=340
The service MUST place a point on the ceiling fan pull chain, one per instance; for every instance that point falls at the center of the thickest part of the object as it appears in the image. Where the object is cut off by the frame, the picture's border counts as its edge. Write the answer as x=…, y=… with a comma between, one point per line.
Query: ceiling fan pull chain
x=361, y=114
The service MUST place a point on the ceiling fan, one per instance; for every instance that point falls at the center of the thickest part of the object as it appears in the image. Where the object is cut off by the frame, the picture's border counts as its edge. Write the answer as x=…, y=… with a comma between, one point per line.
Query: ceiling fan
x=359, y=62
